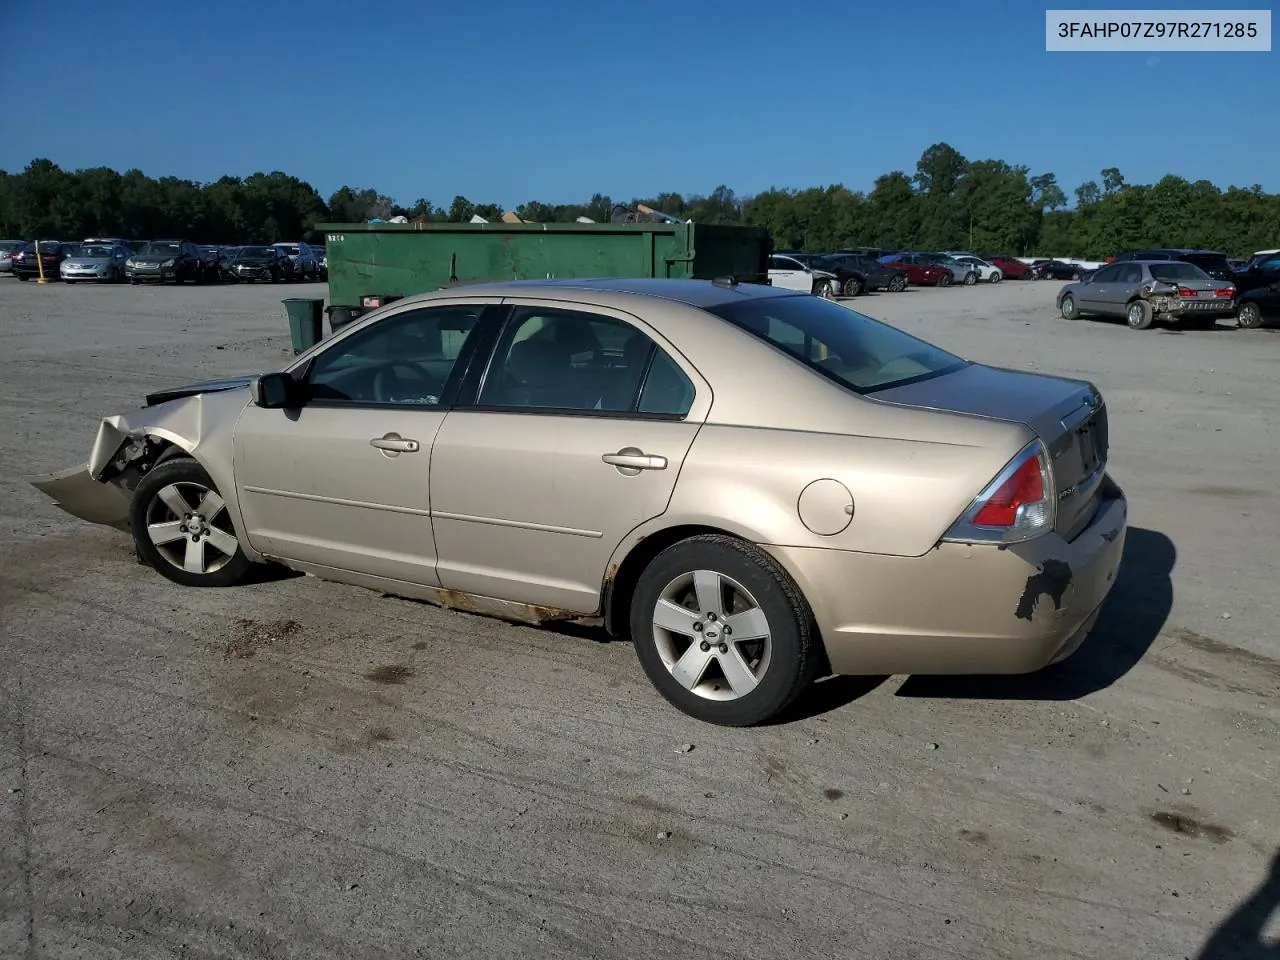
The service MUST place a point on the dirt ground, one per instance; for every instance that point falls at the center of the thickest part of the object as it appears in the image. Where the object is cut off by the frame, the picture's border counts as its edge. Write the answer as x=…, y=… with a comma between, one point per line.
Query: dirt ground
x=302, y=769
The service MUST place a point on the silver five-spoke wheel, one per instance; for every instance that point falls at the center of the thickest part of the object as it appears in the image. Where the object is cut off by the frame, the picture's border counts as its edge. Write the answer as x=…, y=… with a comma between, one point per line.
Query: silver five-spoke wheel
x=189, y=525
x=182, y=526
x=712, y=635
x=722, y=630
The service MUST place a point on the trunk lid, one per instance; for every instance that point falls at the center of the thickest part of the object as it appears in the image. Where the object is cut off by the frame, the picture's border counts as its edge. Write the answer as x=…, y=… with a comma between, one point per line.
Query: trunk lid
x=1068, y=415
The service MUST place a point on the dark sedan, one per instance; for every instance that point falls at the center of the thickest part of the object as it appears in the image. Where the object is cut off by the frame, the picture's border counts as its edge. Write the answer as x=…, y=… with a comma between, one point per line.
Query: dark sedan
x=52, y=253
x=876, y=275
x=851, y=279
x=1058, y=270
x=260, y=263
x=1260, y=306
x=163, y=260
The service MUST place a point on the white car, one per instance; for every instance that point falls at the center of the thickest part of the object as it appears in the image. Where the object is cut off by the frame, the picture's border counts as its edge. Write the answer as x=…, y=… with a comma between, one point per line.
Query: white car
x=790, y=274
x=987, y=272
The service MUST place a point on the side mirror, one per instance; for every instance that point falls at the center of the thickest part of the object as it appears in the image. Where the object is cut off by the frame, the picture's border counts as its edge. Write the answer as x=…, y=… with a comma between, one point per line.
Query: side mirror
x=275, y=391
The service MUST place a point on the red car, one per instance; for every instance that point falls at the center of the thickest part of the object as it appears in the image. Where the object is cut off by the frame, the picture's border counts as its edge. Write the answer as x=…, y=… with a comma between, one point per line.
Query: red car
x=922, y=274
x=1014, y=269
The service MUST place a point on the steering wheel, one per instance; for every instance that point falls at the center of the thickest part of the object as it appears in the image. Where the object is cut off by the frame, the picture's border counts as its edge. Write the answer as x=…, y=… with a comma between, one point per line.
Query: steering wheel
x=387, y=383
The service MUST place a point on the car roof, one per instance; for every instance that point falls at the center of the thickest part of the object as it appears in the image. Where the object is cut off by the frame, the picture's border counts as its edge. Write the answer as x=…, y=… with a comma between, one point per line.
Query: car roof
x=600, y=290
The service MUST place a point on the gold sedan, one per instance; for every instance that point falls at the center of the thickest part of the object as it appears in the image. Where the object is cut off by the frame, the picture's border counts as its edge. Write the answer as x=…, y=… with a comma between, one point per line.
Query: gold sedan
x=756, y=486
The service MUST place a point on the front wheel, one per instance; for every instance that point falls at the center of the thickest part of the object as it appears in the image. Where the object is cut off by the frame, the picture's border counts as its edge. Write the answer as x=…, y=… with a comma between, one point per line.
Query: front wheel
x=723, y=632
x=825, y=289
x=1249, y=316
x=996, y=276
x=1139, y=315
x=970, y=279
x=944, y=280
x=1069, y=309
x=181, y=527
x=852, y=287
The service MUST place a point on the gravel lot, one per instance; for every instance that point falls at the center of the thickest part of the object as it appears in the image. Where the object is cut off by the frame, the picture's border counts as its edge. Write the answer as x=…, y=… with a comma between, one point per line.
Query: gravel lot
x=302, y=769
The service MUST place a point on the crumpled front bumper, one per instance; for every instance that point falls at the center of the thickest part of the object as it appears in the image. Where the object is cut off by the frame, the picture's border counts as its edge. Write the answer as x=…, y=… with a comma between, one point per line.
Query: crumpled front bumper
x=76, y=492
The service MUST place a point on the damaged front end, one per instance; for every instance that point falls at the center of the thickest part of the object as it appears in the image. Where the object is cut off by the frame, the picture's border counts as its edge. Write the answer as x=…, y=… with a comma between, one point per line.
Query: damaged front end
x=129, y=445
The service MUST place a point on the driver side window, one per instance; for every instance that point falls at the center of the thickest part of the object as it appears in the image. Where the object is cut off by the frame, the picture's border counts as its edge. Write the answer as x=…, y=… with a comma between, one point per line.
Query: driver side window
x=404, y=360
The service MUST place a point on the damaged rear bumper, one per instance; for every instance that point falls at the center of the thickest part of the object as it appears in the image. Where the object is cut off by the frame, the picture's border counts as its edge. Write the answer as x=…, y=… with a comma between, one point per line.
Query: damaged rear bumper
x=80, y=495
x=962, y=608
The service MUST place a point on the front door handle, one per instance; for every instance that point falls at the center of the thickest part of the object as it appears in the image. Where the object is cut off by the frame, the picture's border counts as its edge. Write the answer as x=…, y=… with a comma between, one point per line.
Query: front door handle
x=632, y=460
x=392, y=445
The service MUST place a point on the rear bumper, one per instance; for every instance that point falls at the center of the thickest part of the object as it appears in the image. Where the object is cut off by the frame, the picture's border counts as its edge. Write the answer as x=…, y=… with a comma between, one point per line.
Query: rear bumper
x=962, y=609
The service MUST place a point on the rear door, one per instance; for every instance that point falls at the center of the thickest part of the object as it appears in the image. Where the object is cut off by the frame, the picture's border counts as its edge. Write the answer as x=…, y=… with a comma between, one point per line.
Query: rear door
x=575, y=435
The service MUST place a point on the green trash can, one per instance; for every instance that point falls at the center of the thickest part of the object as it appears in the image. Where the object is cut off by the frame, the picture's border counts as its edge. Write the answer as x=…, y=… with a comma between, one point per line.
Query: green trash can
x=306, y=322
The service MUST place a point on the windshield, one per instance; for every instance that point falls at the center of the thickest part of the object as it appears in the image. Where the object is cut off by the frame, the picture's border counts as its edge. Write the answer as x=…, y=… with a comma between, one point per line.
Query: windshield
x=1174, y=272
x=854, y=350
x=290, y=248
x=256, y=252
x=160, y=248
x=1210, y=261
x=98, y=250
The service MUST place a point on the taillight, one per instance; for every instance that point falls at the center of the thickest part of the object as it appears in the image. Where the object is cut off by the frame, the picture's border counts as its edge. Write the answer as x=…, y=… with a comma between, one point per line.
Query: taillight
x=1017, y=505
x=1225, y=292
x=1185, y=292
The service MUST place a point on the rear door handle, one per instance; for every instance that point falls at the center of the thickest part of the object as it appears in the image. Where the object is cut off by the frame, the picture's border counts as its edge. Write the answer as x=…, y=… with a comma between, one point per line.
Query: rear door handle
x=393, y=444
x=633, y=458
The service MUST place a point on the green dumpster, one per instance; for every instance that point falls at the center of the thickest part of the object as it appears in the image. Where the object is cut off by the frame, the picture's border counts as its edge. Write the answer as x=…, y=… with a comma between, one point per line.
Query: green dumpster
x=306, y=321
x=371, y=264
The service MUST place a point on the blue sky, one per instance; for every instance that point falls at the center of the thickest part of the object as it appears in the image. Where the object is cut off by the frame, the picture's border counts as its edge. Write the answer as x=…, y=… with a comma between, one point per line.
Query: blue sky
x=510, y=100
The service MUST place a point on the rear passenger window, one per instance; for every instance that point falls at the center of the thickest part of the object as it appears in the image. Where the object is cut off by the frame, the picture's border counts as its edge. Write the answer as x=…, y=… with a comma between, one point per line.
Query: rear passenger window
x=571, y=361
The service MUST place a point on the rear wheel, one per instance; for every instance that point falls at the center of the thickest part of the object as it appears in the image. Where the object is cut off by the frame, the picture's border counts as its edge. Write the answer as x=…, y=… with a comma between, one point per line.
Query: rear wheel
x=897, y=284
x=1249, y=316
x=1139, y=315
x=723, y=632
x=852, y=287
x=181, y=526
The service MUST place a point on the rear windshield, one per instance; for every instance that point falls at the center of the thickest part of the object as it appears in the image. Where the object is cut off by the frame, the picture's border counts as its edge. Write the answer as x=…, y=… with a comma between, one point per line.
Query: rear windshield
x=841, y=344
x=95, y=250
x=256, y=252
x=1177, y=271
x=160, y=247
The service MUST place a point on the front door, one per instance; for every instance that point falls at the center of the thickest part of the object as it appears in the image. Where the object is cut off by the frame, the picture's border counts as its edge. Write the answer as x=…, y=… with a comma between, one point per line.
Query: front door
x=789, y=274
x=576, y=437
x=344, y=481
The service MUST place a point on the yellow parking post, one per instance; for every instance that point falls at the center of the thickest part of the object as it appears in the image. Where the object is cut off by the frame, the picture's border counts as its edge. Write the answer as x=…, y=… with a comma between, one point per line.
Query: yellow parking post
x=40, y=264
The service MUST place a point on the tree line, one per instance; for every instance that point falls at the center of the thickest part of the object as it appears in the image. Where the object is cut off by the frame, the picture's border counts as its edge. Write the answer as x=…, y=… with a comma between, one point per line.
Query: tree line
x=948, y=202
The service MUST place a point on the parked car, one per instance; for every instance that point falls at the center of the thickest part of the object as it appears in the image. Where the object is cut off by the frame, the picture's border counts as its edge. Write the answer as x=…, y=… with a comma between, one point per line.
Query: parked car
x=1263, y=270
x=302, y=258
x=260, y=263
x=7, y=249
x=546, y=451
x=850, y=281
x=1259, y=306
x=52, y=253
x=1143, y=291
x=960, y=272
x=788, y=273
x=1058, y=270
x=987, y=272
x=1013, y=269
x=160, y=260
x=876, y=275
x=920, y=271
x=95, y=261
x=1212, y=262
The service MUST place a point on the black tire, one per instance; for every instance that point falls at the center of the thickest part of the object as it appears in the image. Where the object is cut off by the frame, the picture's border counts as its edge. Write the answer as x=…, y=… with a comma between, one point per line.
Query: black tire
x=1249, y=316
x=1069, y=309
x=21, y=276
x=1139, y=315
x=897, y=284
x=852, y=287
x=134, y=281
x=970, y=279
x=996, y=276
x=794, y=648
x=150, y=506
x=945, y=280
